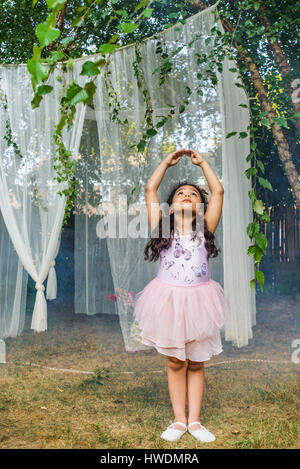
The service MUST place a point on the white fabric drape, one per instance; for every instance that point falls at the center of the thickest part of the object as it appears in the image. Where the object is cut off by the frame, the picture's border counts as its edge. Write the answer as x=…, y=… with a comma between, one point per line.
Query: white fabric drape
x=113, y=269
x=32, y=210
x=237, y=210
x=13, y=290
x=109, y=271
x=52, y=280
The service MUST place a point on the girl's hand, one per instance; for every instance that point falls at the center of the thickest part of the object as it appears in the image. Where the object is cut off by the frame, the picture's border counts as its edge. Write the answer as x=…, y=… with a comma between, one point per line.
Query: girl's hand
x=174, y=157
x=197, y=158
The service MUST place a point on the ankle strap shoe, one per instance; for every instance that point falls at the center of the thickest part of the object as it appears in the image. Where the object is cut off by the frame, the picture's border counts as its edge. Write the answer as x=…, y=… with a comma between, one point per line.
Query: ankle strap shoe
x=172, y=433
x=202, y=434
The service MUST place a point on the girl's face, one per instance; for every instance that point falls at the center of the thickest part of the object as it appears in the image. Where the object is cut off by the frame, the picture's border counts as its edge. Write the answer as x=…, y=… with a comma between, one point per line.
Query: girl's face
x=186, y=196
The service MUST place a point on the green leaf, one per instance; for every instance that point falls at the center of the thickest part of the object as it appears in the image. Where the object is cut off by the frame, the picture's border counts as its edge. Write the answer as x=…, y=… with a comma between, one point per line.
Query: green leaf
x=282, y=122
x=77, y=22
x=151, y=132
x=256, y=252
x=37, y=70
x=55, y=56
x=252, y=195
x=231, y=134
x=260, y=277
x=76, y=94
x=265, y=122
x=252, y=229
x=260, y=165
x=265, y=183
x=100, y=63
x=250, y=172
x=173, y=15
x=89, y=69
x=243, y=135
x=107, y=48
x=161, y=123
x=141, y=4
x=128, y=27
x=250, y=156
x=114, y=38
x=156, y=70
x=44, y=89
x=253, y=146
x=66, y=40
x=70, y=62
x=90, y=88
x=122, y=13
x=264, y=218
x=141, y=145
x=54, y=3
x=252, y=284
x=46, y=34
x=257, y=6
x=36, y=101
x=34, y=3
x=297, y=115
x=147, y=12
x=181, y=108
x=261, y=240
x=258, y=207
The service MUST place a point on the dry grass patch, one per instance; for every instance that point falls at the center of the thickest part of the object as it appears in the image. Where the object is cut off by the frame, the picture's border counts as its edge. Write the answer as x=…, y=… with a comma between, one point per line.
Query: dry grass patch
x=246, y=404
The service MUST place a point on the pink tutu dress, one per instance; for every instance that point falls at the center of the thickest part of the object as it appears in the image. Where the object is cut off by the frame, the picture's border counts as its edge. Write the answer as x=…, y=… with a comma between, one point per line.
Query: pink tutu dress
x=182, y=310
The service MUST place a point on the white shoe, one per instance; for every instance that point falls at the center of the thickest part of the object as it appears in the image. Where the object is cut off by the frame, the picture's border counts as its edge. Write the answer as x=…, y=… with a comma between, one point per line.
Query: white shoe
x=172, y=433
x=202, y=434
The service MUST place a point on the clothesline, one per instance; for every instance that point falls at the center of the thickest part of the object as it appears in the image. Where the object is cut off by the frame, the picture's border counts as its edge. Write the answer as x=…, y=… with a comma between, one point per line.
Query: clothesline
x=207, y=365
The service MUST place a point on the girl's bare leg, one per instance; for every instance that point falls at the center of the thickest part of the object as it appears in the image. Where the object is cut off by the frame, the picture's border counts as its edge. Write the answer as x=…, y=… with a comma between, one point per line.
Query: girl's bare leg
x=195, y=389
x=177, y=388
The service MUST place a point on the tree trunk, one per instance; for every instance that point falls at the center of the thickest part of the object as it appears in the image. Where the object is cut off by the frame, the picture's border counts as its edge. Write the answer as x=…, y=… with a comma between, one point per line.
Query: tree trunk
x=279, y=137
x=280, y=61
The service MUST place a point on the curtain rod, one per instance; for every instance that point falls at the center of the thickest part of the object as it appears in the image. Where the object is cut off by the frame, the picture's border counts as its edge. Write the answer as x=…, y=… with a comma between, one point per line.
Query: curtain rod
x=85, y=57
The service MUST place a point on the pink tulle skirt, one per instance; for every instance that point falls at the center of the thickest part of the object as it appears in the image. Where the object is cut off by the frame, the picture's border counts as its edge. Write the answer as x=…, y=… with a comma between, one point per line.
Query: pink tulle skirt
x=182, y=321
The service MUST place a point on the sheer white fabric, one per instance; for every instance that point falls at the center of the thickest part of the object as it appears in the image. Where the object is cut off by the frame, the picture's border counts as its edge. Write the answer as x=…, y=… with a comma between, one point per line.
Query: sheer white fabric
x=31, y=207
x=112, y=269
x=237, y=210
x=52, y=280
x=13, y=290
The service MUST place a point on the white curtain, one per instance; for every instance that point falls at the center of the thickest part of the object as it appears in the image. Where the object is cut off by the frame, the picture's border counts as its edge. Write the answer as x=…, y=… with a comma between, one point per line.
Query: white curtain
x=109, y=271
x=113, y=269
x=52, y=280
x=13, y=290
x=237, y=210
x=31, y=207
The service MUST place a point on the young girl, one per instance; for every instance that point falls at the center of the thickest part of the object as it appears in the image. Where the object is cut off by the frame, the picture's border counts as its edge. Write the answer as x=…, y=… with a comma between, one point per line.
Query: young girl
x=182, y=310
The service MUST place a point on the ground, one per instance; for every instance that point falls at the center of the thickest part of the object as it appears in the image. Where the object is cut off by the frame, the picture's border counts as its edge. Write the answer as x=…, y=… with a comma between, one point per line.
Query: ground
x=124, y=401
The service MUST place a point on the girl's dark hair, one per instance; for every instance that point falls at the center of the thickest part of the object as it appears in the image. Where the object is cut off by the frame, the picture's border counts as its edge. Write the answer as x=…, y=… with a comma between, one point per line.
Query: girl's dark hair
x=158, y=243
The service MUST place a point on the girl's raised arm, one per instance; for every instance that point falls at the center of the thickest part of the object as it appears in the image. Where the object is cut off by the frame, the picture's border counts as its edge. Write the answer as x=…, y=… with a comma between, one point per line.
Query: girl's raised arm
x=214, y=209
x=152, y=200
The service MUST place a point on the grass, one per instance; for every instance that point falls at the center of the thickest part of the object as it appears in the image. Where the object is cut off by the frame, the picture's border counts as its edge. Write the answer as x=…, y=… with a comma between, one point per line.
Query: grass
x=124, y=402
